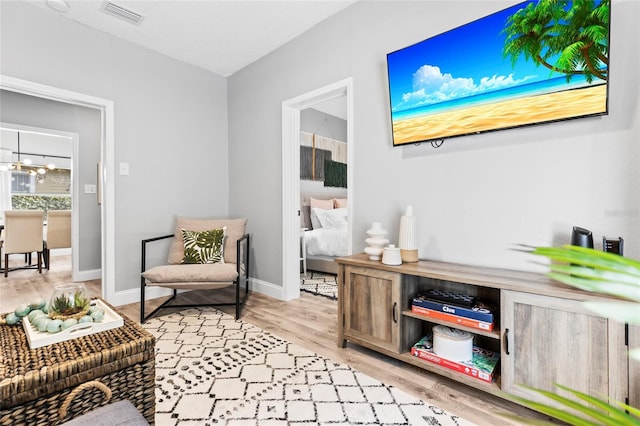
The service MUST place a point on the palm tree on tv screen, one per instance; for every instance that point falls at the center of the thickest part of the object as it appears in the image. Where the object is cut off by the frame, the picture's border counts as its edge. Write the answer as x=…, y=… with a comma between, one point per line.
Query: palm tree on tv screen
x=573, y=33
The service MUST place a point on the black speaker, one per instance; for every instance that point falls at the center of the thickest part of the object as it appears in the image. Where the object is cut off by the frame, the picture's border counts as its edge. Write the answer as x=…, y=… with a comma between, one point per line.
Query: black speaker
x=581, y=237
x=612, y=245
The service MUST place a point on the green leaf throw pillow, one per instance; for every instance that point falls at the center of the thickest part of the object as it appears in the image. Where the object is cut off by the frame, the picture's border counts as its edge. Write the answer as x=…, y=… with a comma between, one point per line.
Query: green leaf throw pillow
x=203, y=246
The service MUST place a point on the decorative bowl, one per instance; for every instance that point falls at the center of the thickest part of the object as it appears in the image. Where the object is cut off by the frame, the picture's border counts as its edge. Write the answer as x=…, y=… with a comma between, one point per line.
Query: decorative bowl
x=69, y=301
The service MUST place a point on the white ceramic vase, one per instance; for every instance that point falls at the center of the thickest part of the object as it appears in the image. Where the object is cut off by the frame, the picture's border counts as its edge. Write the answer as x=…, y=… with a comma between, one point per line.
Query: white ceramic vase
x=408, y=237
x=376, y=241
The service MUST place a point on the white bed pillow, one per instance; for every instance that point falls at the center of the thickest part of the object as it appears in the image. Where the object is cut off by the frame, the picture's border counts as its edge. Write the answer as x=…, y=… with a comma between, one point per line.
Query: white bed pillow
x=331, y=219
x=315, y=221
x=315, y=204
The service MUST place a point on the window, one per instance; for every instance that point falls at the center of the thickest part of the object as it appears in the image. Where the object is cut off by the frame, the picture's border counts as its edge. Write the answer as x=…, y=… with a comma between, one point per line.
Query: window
x=22, y=183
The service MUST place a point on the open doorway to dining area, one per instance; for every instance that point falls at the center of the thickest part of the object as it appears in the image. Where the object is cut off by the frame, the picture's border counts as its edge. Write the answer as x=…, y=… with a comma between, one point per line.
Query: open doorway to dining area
x=36, y=190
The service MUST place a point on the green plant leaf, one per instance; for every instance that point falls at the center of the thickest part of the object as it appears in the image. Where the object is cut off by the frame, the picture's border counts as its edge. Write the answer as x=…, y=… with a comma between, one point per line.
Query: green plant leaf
x=618, y=415
x=592, y=270
x=572, y=404
x=558, y=413
x=598, y=272
x=622, y=312
x=608, y=414
x=589, y=257
x=605, y=287
x=632, y=410
x=594, y=260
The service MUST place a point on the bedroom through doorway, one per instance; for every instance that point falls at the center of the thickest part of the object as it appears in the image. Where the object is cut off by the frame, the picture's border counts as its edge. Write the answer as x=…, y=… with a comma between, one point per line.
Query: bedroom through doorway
x=296, y=200
x=324, y=197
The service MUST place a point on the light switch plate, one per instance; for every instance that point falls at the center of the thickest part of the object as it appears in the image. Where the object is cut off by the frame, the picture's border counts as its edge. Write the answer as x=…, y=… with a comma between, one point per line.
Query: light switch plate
x=89, y=189
x=124, y=169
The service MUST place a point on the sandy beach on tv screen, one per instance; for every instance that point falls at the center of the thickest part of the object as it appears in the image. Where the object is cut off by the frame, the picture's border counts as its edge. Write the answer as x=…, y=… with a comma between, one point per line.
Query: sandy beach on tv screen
x=502, y=114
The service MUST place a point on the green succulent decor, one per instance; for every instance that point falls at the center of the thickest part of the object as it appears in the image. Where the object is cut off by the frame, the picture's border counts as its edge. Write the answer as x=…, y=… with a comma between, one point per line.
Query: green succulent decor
x=598, y=272
x=64, y=306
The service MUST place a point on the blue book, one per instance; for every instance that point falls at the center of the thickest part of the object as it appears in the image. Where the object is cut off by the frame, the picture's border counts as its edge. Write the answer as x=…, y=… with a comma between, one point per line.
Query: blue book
x=478, y=311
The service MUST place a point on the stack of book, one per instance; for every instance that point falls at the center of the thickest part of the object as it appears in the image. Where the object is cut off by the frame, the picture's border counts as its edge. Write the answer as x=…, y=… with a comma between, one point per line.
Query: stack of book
x=482, y=365
x=455, y=308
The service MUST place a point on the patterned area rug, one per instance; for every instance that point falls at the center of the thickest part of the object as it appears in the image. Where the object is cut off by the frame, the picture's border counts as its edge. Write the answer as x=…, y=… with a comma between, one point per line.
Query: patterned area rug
x=320, y=284
x=214, y=370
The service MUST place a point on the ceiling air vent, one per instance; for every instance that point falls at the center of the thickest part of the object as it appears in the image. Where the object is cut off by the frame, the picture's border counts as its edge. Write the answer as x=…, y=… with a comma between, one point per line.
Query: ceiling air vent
x=122, y=13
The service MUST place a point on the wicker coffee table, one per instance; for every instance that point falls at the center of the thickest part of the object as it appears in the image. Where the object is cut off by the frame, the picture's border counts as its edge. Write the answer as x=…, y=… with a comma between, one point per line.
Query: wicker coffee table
x=55, y=383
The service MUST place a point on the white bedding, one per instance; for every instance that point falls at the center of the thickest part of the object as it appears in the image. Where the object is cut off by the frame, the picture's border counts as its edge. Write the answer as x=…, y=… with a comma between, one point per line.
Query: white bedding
x=326, y=242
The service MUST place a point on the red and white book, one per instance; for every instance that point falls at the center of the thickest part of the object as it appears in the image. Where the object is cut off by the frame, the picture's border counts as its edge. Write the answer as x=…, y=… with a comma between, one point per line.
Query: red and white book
x=455, y=319
x=482, y=365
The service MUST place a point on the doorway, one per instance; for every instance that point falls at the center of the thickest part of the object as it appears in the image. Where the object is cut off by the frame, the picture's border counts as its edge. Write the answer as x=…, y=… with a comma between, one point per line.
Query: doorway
x=58, y=188
x=105, y=168
x=291, y=176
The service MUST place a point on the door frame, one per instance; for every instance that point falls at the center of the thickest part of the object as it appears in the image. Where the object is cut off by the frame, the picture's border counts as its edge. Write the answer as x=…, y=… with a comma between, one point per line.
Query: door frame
x=291, y=177
x=106, y=169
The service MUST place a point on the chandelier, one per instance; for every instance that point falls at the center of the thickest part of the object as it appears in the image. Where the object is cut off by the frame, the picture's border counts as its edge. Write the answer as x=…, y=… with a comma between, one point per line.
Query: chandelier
x=27, y=166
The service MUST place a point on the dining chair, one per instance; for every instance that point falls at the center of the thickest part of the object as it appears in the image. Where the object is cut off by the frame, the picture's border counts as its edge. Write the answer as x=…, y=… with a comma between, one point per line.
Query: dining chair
x=58, y=233
x=23, y=231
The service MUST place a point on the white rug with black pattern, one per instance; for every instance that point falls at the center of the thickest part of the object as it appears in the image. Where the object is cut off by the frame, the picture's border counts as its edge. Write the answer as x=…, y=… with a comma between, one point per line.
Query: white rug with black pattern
x=214, y=370
x=320, y=284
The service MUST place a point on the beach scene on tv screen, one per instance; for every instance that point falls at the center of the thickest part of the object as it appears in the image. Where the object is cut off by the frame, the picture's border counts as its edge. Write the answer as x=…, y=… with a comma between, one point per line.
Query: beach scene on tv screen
x=535, y=62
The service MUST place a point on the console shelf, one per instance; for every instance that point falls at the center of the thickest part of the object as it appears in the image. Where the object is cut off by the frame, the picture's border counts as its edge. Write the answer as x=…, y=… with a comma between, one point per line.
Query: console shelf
x=493, y=388
x=544, y=334
x=493, y=334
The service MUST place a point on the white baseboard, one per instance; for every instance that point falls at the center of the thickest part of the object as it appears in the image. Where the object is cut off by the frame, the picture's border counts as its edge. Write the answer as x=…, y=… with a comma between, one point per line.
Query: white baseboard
x=126, y=297
x=61, y=252
x=264, y=287
x=92, y=274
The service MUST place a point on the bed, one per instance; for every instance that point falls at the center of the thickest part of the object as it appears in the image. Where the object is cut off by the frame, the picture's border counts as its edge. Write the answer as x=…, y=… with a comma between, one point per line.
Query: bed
x=325, y=236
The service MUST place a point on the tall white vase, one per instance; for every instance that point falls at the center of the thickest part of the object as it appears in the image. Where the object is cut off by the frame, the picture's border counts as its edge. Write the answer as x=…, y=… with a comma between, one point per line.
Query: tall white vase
x=376, y=241
x=408, y=237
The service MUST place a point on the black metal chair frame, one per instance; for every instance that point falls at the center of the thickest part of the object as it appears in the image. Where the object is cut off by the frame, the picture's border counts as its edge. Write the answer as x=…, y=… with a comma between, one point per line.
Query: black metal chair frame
x=244, y=240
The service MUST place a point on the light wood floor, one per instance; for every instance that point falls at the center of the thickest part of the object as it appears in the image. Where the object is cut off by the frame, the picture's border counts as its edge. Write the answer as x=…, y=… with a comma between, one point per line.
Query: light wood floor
x=311, y=322
x=25, y=285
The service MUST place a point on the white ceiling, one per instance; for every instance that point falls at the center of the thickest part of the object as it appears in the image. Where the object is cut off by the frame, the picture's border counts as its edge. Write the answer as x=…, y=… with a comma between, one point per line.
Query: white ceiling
x=219, y=36
x=44, y=145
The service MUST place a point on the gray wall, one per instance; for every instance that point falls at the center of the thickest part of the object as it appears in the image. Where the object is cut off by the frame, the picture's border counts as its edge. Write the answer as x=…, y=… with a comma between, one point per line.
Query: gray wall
x=475, y=196
x=31, y=111
x=171, y=122
x=329, y=126
x=197, y=148
x=324, y=57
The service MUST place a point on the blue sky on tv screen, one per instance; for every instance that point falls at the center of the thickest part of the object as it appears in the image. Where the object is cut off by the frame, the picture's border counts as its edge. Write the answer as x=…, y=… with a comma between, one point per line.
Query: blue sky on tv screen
x=463, y=66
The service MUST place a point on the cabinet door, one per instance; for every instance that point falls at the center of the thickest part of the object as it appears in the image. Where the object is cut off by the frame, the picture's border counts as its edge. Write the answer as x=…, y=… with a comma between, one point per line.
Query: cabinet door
x=548, y=340
x=372, y=308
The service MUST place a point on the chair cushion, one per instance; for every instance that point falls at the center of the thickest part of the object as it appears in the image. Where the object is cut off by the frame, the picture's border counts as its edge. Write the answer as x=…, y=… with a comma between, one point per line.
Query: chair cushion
x=199, y=272
x=203, y=247
x=23, y=231
x=235, y=230
x=58, y=229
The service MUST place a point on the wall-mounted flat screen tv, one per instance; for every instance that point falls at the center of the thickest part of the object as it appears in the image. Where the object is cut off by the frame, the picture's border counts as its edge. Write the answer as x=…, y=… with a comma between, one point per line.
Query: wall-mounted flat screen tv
x=535, y=62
